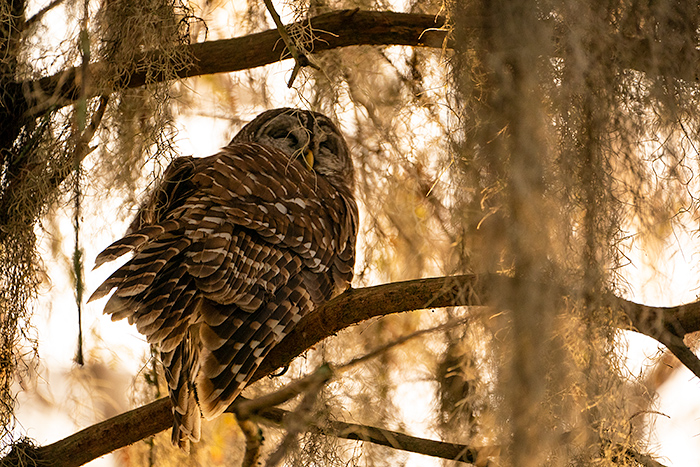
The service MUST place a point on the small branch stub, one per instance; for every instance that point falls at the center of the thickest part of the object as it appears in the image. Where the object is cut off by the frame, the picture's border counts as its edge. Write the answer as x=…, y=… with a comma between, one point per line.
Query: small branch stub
x=300, y=58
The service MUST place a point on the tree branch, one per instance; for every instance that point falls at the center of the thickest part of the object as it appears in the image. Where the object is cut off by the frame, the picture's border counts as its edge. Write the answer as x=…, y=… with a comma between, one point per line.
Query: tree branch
x=247, y=408
x=352, y=307
x=41, y=13
x=331, y=30
x=395, y=439
x=300, y=58
x=31, y=99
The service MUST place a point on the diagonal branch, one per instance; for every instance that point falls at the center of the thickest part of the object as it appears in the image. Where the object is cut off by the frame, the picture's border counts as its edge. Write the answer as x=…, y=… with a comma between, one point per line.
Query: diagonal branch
x=404, y=442
x=300, y=58
x=477, y=455
x=34, y=98
x=331, y=30
x=30, y=99
x=246, y=408
x=353, y=307
x=41, y=13
x=395, y=439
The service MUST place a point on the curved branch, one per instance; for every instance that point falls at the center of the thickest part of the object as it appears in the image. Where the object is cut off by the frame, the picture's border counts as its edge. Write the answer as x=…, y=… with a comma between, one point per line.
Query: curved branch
x=478, y=455
x=331, y=30
x=353, y=307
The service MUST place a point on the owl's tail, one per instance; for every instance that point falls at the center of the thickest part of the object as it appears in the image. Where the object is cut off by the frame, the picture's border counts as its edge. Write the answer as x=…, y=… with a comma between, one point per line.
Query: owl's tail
x=235, y=342
x=180, y=369
x=187, y=422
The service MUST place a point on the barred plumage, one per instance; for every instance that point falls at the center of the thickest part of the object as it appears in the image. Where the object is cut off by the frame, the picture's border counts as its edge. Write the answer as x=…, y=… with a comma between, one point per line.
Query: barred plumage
x=231, y=251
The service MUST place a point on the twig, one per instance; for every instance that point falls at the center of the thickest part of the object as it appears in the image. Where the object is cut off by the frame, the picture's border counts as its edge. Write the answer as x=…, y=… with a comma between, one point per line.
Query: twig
x=246, y=408
x=90, y=130
x=378, y=351
x=396, y=440
x=40, y=14
x=82, y=149
x=300, y=58
x=80, y=115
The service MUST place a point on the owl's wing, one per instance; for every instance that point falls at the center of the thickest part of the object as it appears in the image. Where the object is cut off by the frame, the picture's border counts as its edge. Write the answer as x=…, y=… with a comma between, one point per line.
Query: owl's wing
x=253, y=188
x=286, y=230
x=232, y=251
x=288, y=206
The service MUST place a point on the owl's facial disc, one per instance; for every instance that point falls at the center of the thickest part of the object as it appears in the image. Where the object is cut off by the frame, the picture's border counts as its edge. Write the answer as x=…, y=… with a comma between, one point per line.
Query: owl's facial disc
x=308, y=136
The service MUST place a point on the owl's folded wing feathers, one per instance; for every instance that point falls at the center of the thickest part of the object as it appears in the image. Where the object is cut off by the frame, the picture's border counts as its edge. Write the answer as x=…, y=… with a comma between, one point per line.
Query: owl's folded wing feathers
x=230, y=251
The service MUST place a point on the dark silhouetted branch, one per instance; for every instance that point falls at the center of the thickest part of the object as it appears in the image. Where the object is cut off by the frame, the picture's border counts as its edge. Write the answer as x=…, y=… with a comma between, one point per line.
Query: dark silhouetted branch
x=31, y=99
x=329, y=31
x=395, y=439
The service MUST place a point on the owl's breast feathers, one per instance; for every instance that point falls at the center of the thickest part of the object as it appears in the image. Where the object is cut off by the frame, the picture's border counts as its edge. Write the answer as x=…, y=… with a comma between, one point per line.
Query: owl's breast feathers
x=230, y=252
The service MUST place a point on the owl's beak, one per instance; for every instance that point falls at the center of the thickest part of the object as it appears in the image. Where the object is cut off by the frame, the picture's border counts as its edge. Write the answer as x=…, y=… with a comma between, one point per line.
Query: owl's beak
x=309, y=159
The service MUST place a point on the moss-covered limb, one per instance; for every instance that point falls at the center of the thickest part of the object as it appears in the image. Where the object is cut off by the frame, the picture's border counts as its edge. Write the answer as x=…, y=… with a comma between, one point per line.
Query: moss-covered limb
x=357, y=305
x=100, y=439
x=352, y=307
x=331, y=30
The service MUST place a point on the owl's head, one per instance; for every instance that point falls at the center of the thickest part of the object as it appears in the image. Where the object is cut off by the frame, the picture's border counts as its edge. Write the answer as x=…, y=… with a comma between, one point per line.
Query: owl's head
x=309, y=136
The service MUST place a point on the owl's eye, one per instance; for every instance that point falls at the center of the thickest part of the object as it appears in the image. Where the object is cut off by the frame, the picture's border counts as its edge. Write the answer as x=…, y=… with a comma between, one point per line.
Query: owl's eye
x=293, y=140
x=280, y=133
x=330, y=144
x=287, y=136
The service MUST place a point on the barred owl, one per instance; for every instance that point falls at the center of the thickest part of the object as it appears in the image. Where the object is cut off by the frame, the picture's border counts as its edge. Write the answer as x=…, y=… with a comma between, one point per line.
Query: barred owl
x=231, y=251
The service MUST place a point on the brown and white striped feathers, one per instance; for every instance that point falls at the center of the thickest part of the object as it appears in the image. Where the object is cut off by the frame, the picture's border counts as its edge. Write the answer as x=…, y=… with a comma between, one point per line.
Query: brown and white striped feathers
x=231, y=251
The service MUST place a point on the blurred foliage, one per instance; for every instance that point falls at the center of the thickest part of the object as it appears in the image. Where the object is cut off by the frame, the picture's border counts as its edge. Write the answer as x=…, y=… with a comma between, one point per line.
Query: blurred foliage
x=551, y=140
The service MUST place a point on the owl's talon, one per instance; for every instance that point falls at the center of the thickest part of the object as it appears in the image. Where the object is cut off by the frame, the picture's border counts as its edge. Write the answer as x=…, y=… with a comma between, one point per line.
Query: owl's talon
x=282, y=371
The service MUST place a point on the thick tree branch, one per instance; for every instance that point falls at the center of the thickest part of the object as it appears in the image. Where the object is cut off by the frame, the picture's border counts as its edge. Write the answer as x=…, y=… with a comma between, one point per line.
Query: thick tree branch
x=24, y=101
x=330, y=30
x=352, y=307
x=31, y=99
